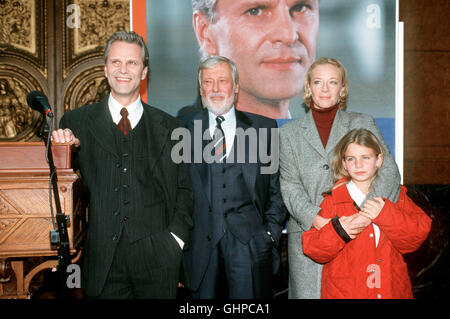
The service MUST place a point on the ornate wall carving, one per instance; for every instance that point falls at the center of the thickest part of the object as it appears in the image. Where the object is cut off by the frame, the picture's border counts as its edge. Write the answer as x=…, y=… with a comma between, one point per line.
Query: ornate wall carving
x=99, y=19
x=87, y=87
x=71, y=76
x=85, y=44
x=17, y=120
x=20, y=36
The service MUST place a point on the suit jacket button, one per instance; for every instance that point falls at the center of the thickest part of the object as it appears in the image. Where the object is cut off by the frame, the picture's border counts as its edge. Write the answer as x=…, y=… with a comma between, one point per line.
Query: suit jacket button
x=210, y=209
x=114, y=237
x=326, y=167
x=208, y=237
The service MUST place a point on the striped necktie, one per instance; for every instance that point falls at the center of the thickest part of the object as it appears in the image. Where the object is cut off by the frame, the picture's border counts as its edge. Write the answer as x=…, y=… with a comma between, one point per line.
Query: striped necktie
x=220, y=150
x=124, y=123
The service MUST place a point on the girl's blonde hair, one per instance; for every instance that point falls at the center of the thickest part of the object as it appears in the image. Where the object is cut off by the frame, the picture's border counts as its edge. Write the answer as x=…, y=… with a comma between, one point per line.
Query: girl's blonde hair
x=361, y=137
x=307, y=95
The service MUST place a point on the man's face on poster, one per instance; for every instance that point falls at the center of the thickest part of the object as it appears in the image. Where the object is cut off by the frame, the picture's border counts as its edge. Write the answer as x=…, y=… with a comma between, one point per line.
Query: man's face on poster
x=272, y=42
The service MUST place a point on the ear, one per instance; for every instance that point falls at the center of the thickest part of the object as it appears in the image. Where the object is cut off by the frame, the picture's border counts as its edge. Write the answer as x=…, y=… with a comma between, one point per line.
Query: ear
x=236, y=89
x=307, y=88
x=144, y=73
x=344, y=165
x=379, y=160
x=342, y=92
x=202, y=29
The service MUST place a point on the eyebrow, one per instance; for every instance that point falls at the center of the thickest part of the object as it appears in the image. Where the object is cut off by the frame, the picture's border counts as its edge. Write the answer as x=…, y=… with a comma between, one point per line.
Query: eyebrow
x=242, y=4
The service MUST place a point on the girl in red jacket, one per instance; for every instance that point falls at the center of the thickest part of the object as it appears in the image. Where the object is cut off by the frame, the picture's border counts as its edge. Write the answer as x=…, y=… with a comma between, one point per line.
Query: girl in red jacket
x=361, y=247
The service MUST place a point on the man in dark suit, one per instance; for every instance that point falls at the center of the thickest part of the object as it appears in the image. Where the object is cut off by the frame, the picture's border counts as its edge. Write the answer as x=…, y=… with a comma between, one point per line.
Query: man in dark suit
x=140, y=200
x=238, y=210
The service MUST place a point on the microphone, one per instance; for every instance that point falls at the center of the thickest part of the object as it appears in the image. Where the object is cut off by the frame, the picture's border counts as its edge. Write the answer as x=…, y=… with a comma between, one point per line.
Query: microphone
x=39, y=102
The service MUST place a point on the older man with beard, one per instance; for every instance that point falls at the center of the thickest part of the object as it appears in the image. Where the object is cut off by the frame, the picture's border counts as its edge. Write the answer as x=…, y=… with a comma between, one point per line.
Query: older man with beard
x=238, y=210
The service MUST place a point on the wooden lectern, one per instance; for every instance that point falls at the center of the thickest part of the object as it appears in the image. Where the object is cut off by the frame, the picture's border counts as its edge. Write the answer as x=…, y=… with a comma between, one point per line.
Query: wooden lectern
x=25, y=216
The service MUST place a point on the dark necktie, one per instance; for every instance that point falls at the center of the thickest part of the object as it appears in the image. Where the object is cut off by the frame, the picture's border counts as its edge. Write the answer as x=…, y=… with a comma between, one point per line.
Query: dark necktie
x=124, y=123
x=220, y=149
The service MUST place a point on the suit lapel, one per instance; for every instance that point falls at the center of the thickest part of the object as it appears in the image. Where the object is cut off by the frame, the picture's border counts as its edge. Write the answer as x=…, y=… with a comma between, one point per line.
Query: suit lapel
x=157, y=134
x=312, y=135
x=249, y=170
x=99, y=124
x=338, y=130
x=201, y=168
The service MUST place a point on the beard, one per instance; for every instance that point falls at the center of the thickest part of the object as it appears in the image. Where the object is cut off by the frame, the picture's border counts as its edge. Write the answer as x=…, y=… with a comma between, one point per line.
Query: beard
x=218, y=108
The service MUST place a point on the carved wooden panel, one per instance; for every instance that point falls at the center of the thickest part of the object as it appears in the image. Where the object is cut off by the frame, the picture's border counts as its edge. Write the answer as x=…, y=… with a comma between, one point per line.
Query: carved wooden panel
x=55, y=47
x=23, y=66
x=22, y=33
x=25, y=215
x=98, y=20
x=83, y=66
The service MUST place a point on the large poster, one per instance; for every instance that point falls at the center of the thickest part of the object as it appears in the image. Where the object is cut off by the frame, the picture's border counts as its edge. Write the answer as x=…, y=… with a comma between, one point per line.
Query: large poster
x=273, y=42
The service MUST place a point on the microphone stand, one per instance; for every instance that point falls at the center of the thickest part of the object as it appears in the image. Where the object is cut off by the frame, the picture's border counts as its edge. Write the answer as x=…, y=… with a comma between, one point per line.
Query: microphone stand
x=58, y=236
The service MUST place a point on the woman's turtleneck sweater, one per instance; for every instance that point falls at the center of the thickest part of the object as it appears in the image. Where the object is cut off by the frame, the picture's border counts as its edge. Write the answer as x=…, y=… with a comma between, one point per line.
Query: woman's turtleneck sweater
x=324, y=120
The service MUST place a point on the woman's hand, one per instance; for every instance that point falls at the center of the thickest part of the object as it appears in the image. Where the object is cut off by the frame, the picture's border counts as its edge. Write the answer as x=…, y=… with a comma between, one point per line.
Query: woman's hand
x=319, y=222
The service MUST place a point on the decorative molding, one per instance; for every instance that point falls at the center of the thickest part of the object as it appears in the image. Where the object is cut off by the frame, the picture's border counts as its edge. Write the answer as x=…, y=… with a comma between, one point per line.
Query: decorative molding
x=89, y=86
x=17, y=121
x=99, y=19
x=21, y=36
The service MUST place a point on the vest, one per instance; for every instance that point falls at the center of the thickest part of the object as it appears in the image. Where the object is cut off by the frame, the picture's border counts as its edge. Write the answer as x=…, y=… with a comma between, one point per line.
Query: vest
x=229, y=194
x=133, y=185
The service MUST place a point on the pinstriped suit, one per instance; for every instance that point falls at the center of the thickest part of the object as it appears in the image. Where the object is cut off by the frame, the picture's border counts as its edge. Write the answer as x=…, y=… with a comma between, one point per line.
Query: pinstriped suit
x=305, y=173
x=163, y=193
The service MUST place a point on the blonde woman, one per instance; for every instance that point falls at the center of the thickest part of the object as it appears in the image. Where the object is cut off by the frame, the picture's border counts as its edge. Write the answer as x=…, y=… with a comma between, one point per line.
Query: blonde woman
x=306, y=153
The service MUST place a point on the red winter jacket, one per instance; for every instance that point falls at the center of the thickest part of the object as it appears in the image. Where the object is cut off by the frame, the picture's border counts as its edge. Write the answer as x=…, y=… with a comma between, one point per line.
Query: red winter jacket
x=359, y=269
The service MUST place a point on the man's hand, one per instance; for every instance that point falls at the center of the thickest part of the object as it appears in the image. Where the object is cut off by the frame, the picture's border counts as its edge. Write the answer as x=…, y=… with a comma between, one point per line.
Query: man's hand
x=65, y=136
x=372, y=208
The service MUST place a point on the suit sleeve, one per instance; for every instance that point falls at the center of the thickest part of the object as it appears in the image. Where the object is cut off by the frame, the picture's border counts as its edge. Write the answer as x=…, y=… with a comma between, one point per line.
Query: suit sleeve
x=325, y=244
x=387, y=182
x=70, y=122
x=404, y=223
x=276, y=214
x=293, y=191
x=182, y=223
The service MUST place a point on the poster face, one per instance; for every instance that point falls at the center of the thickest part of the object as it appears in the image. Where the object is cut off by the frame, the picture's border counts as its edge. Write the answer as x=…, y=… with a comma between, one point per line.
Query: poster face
x=273, y=42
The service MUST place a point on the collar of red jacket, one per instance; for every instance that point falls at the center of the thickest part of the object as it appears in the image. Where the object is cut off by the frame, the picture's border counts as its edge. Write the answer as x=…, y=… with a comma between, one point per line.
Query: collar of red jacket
x=340, y=193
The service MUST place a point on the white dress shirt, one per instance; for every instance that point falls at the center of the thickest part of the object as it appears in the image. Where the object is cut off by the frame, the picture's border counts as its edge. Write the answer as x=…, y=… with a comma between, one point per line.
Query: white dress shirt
x=228, y=127
x=358, y=196
x=135, y=111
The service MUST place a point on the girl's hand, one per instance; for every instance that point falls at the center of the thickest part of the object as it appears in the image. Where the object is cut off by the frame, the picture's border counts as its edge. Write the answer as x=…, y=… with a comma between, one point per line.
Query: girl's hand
x=372, y=208
x=354, y=224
